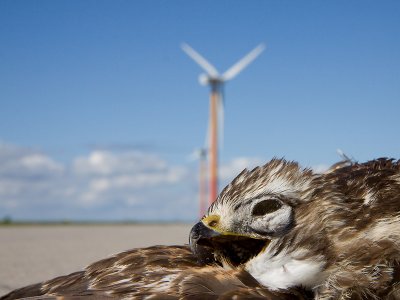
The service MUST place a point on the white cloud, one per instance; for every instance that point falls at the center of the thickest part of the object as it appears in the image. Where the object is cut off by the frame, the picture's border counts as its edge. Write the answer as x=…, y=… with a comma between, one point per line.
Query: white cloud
x=38, y=161
x=103, y=185
x=229, y=170
x=101, y=162
x=112, y=175
x=17, y=161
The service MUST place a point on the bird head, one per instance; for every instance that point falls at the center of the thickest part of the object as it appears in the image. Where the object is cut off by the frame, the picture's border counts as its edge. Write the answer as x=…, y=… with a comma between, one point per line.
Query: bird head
x=255, y=208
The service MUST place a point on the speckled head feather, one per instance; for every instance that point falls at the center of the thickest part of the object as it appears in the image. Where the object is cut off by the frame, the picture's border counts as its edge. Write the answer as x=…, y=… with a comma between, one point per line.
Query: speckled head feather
x=278, y=176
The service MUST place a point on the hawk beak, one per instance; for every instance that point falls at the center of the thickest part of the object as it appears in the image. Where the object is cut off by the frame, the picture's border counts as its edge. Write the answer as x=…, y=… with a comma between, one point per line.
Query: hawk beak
x=211, y=246
x=199, y=241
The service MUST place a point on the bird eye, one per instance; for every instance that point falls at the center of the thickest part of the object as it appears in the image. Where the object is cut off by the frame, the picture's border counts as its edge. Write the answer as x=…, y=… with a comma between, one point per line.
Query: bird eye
x=266, y=207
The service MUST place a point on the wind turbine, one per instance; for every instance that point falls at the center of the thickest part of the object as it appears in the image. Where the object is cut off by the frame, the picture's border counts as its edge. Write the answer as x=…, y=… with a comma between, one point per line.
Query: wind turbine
x=201, y=155
x=216, y=82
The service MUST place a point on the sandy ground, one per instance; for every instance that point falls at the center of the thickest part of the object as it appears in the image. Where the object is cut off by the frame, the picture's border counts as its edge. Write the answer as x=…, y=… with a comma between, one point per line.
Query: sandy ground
x=29, y=254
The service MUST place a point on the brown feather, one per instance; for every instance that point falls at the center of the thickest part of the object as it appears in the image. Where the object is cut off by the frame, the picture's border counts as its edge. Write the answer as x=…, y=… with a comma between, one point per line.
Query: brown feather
x=347, y=219
x=158, y=272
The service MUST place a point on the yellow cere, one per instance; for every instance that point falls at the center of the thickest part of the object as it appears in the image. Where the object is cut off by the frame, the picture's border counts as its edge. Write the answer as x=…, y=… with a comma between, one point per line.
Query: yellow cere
x=213, y=222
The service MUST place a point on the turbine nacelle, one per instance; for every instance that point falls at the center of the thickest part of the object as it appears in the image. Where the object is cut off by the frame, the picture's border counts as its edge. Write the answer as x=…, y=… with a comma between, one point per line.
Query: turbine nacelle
x=205, y=79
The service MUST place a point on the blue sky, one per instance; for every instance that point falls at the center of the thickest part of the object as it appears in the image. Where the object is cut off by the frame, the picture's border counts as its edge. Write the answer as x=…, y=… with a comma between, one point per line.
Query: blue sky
x=100, y=108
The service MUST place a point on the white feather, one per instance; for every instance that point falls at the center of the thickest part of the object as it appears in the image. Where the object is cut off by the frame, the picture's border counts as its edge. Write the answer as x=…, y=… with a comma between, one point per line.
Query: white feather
x=286, y=270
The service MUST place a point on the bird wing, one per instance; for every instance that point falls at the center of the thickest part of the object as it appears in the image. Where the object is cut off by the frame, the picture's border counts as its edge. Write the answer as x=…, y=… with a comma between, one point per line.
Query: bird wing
x=159, y=272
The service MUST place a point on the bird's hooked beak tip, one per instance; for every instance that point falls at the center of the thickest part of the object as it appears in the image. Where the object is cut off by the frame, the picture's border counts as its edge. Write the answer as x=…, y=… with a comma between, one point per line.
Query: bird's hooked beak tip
x=199, y=241
x=210, y=246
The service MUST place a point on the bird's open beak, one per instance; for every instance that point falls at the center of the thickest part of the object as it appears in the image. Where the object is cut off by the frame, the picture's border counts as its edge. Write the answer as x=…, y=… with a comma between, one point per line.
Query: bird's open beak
x=210, y=246
x=199, y=241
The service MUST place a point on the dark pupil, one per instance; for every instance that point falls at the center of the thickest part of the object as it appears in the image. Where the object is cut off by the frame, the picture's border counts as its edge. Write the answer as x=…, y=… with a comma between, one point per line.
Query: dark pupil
x=266, y=207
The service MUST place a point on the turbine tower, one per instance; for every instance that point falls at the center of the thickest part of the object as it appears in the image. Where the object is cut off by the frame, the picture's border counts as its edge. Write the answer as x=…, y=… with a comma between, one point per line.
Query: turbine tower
x=216, y=82
x=201, y=156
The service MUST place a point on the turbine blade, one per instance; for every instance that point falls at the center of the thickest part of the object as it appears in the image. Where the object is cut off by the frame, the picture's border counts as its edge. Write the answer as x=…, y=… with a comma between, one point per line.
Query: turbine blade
x=204, y=64
x=243, y=63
